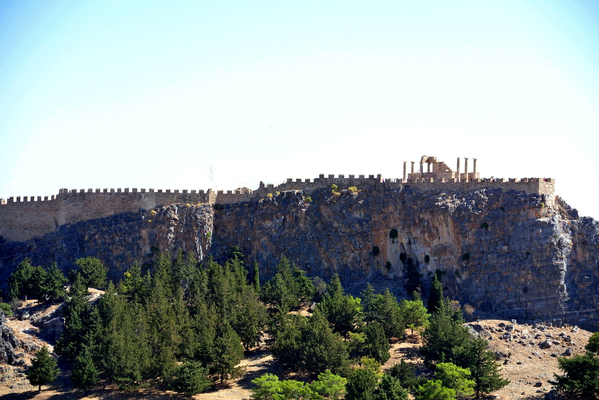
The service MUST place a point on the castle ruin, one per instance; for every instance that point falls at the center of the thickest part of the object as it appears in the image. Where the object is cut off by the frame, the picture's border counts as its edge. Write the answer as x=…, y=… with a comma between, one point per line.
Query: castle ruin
x=23, y=218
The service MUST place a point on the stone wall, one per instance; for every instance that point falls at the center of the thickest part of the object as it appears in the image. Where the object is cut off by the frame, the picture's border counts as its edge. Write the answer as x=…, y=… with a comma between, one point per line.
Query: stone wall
x=28, y=217
x=25, y=218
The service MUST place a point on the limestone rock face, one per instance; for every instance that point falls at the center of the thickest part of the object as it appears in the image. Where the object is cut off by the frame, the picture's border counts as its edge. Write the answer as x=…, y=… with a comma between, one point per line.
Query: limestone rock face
x=500, y=253
x=8, y=342
x=119, y=240
x=505, y=254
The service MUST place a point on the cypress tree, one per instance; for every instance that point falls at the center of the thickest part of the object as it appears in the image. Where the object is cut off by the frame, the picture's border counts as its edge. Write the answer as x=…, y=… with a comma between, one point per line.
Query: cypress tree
x=256, y=278
x=368, y=299
x=436, y=296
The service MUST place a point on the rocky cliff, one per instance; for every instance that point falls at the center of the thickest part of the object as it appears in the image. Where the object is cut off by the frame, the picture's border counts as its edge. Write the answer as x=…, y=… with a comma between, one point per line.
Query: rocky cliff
x=119, y=240
x=500, y=253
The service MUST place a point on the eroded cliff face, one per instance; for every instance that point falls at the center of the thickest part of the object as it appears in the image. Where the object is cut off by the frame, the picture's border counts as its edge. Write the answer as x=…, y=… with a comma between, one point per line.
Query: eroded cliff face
x=502, y=253
x=119, y=240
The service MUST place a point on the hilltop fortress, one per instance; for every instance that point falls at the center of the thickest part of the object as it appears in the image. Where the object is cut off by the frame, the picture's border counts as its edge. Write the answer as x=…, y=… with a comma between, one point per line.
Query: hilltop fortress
x=23, y=218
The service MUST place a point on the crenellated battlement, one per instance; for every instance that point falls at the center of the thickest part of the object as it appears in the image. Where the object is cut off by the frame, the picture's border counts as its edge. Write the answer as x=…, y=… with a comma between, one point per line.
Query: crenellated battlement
x=25, y=217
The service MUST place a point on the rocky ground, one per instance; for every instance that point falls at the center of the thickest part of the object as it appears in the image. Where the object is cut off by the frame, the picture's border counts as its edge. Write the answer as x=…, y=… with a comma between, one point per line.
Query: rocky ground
x=528, y=354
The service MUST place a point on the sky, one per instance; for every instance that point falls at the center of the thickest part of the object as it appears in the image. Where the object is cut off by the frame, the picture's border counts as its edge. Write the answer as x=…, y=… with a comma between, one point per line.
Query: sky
x=206, y=94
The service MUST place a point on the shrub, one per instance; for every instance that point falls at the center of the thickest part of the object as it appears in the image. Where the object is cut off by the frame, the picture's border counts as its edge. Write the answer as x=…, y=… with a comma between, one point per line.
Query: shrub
x=6, y=309
x=334, y=187
x=269, y=195
x=352, y=189
x=308, y=199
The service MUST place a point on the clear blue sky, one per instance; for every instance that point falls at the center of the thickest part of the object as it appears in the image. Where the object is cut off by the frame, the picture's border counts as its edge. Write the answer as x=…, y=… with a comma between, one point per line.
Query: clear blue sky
x=109, y=94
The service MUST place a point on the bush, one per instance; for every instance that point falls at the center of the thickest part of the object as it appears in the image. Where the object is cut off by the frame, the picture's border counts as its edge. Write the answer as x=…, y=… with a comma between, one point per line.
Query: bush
x=352, y=189
x=308, y=199
x=334, y=188
x=6, y=309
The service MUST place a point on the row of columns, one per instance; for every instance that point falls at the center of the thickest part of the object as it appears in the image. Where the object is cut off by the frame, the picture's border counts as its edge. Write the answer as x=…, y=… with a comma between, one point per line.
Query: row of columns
x=405, y=168
x=465, y=169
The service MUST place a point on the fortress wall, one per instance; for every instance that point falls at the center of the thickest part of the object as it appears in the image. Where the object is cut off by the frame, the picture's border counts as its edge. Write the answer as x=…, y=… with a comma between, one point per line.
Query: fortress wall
x=527, y=185
x=21, y=221
x=83, y=205
x=23, y=218
x=234, y=196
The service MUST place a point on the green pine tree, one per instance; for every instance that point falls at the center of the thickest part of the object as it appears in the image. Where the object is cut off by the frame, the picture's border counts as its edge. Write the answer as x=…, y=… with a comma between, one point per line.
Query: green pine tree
x=389, y=388
x=474, y=355
x=405, y=374
x=434, y=390
x=376, y=345
x=414, y=314
x=455, y=378
x=191, y=378
x=444, y=335
x=76, y=321
x=362, y=383
x=92, y=272
x=341, y=310
x=228, y=352
x=85, y=374
x=43, y=368
x=250, y=319
x=320, y=349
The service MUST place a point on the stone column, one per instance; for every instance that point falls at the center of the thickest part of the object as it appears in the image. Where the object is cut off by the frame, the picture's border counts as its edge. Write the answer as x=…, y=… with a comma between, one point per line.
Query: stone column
x=428, y=167
x=412, y=166
x=405, y=168
x=466, y=168
x=474, y=168
x=421, y=170
x=458, y=170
